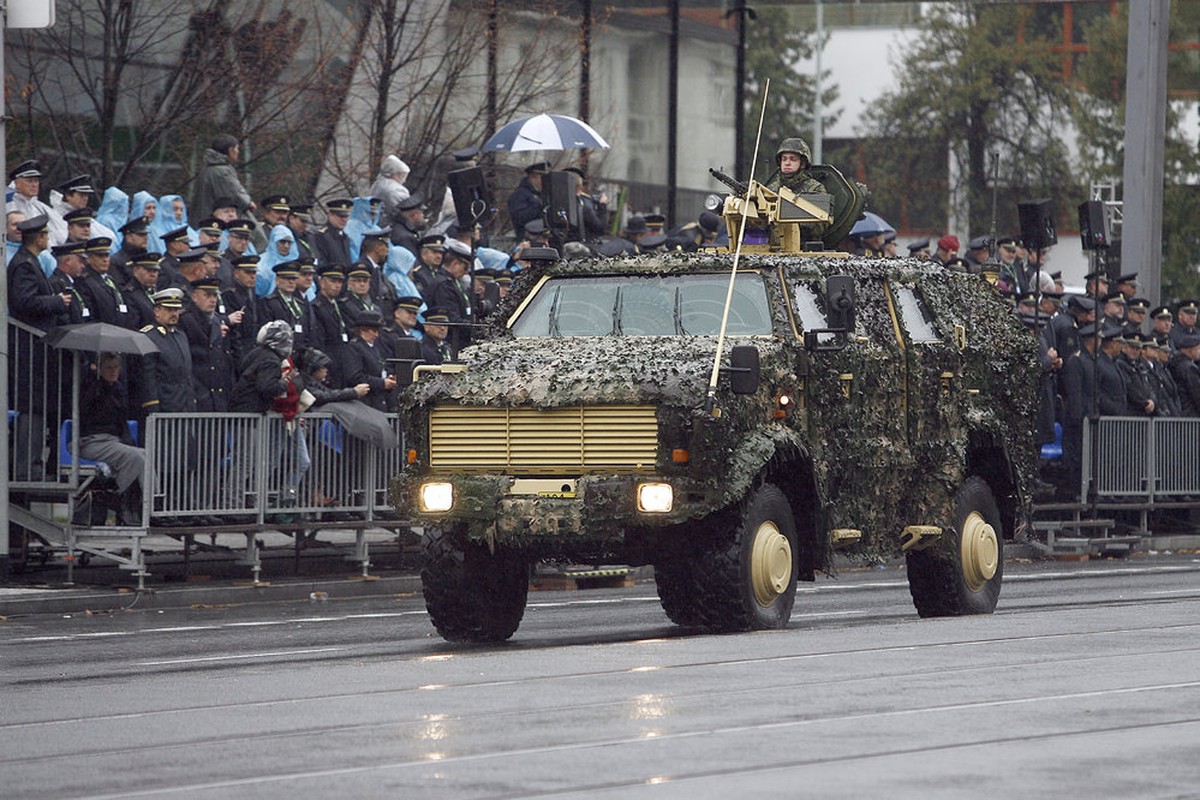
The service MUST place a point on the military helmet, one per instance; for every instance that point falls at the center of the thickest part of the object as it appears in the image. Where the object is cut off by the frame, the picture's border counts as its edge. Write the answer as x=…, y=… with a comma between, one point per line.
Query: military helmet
x=793, y=144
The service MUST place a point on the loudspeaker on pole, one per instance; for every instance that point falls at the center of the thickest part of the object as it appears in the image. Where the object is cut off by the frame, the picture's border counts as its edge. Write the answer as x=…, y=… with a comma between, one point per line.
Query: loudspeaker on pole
x=1093, y=226
x=1037, y=223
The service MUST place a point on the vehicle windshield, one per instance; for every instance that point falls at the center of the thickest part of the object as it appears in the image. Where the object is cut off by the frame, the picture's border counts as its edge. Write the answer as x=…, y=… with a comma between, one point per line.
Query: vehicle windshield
x=646, y=305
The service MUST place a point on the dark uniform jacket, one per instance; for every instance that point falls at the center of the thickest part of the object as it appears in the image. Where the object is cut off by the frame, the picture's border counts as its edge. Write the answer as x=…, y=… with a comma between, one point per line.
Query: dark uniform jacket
x=118, y=266
x=169, y=277
x=106, y=301
x=423, y=277
x=78, y=310
x=212, y=364
x=1110, y=396
x=165, y=380
x=365, y=364
x=354, y=306
x=1187, y=378
x=242, y=336
x=1138, y=386
x=141, y=303
x=524, y=206
x=435, y=352
x=406, y=237
x=293, y=310
x=306, y=244
x=333, y=247
x=330, y=334
x=1078, y=373
x=450, y=295
x=31, y=298
x=382, y=291
x=1166, y=390
x=260, y=381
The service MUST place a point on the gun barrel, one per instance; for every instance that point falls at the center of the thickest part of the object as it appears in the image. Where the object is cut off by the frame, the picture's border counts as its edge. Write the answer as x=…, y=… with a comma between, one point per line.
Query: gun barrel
x=731, y=182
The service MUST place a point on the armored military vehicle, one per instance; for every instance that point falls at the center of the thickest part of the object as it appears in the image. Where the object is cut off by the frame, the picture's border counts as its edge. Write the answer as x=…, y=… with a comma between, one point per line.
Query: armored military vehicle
x=874, y=407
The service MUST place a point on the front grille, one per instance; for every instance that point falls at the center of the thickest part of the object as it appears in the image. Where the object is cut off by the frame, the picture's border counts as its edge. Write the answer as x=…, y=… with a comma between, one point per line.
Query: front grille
x=526, y=441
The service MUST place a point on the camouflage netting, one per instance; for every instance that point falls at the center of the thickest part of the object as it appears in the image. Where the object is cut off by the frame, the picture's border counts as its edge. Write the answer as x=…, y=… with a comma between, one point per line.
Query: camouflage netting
x=888, y=426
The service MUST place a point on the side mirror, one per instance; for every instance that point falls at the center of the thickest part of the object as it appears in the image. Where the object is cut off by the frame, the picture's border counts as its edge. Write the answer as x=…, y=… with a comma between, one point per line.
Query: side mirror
x=408, y=355
x=745, y=372
x=839, y=302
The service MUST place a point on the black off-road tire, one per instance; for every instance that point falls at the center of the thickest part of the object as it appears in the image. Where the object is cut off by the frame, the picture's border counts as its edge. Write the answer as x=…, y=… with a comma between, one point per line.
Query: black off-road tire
x=674, y=578
x=949, y=579
x=472, y=595
x=745, y=574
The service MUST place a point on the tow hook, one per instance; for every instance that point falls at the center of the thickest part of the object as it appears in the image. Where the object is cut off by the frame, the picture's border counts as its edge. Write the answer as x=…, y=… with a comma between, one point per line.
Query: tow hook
x=918, y=537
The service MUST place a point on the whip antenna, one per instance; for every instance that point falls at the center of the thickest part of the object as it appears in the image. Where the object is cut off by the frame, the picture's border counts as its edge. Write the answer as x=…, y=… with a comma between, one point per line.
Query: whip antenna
x=711, y=399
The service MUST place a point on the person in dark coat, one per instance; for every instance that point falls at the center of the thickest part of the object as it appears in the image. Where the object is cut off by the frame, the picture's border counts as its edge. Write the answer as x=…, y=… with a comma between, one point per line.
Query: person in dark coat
x=1140, y=398
x=241, y=308
x=104, y=412
x=69, y=260
x=136, y=238
x=331, y=328
x=435, y=347
x=1158, y=353
x=317, y=366
x=140, y=291
x=526, y=203
x=333, y=245
x=1185, y=321
x=218, y=178
x=212, y=363
x=1078, y=376
x=450, y=295
x=33, y=301
x=358, y=300
x=429, y=258
x=403, y=324
x=299, y=220
x=373, y=255
x=165, y=383
x=366, y=361
x=179, y=247
x=284, y=305
x=103, y=296
x=409, y=222
x=1186, y=371
x=1110, y=383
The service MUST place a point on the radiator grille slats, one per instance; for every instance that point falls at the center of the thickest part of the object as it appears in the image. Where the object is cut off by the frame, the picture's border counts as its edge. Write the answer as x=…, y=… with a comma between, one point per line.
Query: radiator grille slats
x=526, y=441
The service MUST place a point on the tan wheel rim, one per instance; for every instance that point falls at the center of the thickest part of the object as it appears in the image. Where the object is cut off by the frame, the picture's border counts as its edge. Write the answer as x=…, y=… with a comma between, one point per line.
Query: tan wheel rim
x=980, y=551
x=770, y=563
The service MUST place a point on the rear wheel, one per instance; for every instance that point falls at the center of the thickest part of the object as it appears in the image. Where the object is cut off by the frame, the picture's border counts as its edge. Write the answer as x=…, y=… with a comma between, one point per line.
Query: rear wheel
x=746, y=575
x=962, y=573
x=471, y=594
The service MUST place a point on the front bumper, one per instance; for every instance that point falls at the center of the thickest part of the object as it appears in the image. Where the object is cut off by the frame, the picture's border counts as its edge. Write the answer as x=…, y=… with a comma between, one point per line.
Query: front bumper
x=602, y=508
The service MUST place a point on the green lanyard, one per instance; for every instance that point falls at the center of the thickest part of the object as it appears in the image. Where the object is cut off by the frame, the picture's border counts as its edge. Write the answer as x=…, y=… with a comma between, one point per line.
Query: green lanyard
x=116, y=291
x=292, y=306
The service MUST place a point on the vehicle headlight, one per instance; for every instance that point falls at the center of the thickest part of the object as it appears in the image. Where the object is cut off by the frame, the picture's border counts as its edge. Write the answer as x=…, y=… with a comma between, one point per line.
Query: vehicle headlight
x=655, y=498
x=436, y=496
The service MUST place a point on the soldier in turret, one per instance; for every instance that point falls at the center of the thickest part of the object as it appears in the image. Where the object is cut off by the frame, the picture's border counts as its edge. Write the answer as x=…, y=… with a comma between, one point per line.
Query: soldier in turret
x=792, y=160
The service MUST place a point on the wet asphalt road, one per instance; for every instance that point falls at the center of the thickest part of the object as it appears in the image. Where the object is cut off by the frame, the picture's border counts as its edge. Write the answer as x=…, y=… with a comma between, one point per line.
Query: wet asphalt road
x=1085, y=683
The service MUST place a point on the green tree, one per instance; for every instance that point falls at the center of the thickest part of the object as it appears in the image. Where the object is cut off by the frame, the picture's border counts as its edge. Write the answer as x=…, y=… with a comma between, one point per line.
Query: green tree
x=978, y=85
x=774, y=46
x=1099, y=116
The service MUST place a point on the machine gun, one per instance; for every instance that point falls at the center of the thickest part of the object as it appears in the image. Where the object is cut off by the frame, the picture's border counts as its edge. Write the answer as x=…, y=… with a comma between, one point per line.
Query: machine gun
x=733, y=183
x=778, y=221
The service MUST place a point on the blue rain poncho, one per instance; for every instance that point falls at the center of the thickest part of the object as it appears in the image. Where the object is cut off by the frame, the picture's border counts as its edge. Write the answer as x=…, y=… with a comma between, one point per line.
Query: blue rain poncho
x=361, y=220
x=264, y=283
x=113, y=213
x=166, y=221
x=137, y=209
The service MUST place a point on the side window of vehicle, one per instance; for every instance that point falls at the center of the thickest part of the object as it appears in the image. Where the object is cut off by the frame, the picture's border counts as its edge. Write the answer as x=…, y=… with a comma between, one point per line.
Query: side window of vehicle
x=810, y=310
x=914, y=315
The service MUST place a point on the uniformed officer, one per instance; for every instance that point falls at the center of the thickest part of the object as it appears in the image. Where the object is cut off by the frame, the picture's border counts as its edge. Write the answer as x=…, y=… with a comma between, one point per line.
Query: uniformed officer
x=373, y=255
x=177, y=243
x=1135, y=314
x=241, y=308
x=330, y=333
x=103, y=296
x=919, y=250
x=436, y=347
x=357, y=299
x=450, y=295
x=212, y=365
x=69, y=266
x=1140, y=397
x=429, y=259
x=403, y=324
x=1185, y=321
x=1127, y=285
x=947, y=248
x=1114, y=309
x=979, y=250
x=237, y=239
x=528, y=202
x=1156, y=352
x=140, y=290
x=274, y=210
x=1111, y=388
x=408, y=223
x=283, y=304
x=136, y=236
x=1186, y=371
x=1077, y=387
x=211, y=231
x=165, y=379
x=332, y=243
x=79, y=225
x=366, y=359
x=1161, y=322
x=299, y=219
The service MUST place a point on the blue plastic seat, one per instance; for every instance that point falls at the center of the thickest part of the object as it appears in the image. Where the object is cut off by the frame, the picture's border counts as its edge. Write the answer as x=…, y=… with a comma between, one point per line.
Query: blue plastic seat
x=1052, y=451
x=330, y=434
x=64, y=448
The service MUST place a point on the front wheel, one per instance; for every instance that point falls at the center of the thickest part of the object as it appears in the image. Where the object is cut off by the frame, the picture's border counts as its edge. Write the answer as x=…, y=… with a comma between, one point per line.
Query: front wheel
x=471, y=594
x=962, y=573
x=746, y=575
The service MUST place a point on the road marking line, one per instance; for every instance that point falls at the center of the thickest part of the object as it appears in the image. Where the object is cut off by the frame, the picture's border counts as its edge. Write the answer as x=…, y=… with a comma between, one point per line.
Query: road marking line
x=240, y=656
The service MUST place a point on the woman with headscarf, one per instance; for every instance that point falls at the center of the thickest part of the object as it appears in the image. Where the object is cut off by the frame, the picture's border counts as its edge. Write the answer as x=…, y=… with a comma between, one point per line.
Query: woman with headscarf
x=145, y=205
x=281, y=247
x=114, y=213
x=389, y=185
x=172, y=214
x=269, y=380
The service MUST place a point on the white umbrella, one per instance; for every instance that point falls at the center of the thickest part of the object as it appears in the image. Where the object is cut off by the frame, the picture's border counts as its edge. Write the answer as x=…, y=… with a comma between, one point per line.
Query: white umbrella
x=544, y=132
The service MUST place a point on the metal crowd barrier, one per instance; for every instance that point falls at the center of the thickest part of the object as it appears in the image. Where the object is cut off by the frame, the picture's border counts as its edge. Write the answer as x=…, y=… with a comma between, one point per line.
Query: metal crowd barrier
x=39, y=393
x=1147, y=458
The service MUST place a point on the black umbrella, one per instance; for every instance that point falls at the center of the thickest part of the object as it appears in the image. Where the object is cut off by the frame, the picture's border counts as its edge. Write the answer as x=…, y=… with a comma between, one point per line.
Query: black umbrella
x=101, y=337
x=363, y=422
